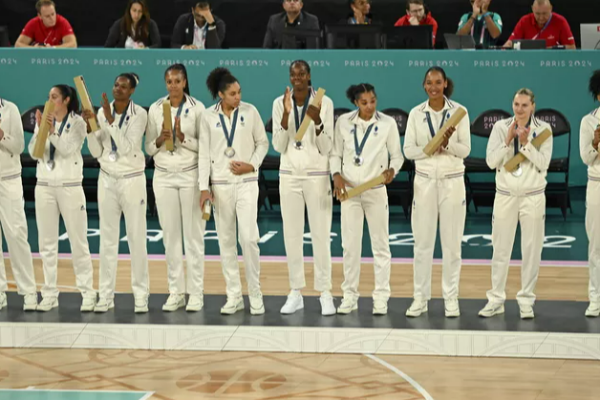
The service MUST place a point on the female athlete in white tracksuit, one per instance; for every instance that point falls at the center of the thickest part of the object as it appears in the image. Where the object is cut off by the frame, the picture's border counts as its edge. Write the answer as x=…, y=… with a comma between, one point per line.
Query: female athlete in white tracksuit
x=366, y=144
x=58, y=192
x=519, y=199
x=589, y=138
x=12, y=207
x=439, y=191
x=233, y=144
x=121, y=190
x=304, y=182
x=176, y=189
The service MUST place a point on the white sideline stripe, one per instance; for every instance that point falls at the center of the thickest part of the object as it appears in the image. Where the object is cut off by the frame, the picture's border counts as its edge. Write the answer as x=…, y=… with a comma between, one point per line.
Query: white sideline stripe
x=147, y=396
x=407, y=378
x=32, y=388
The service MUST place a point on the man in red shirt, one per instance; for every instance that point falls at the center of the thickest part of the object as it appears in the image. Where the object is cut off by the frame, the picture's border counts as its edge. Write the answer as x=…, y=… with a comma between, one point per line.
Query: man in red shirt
x=416, y=15
x=542, y=23
x=48, y=29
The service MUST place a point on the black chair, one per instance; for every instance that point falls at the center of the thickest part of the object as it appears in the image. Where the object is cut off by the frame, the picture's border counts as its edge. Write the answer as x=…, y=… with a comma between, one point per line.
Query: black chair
x=28, y=164
x=482, y=193
x=339, y=112
x=28, y=118
x=269, y=187
x=557, y=193
x=401, y=191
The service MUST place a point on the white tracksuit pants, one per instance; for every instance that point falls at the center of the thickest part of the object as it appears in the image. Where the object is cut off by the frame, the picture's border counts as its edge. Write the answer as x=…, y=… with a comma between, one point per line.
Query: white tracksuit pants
x=592, y=227
x=372, y=204
x=14, y=226
x=125, y=196
x=68, y=202
x=443, y=200
x=178, y=203
x=315, y=195
x=238, y=201
x=530, y=212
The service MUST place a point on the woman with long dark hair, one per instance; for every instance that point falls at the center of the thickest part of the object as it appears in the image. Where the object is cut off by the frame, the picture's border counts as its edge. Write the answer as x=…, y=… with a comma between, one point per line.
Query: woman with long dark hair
x=366, y=145
x=121, y=189
x=135, y=30
x=58, y=192
x=232, y=147
x=175, y=187
x=439, y=191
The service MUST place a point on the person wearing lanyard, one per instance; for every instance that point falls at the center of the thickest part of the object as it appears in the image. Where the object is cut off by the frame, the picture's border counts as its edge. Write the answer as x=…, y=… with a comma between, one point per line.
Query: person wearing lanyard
x=439, y=190
x=233, y=144
x=484, y=26
x=58, y=192
x=519, y=199
x=366, y=144
x=543, y=24
x=121, y=189
x=589, y=135
x=176, y=191
x=12, y=208
x=304, y=182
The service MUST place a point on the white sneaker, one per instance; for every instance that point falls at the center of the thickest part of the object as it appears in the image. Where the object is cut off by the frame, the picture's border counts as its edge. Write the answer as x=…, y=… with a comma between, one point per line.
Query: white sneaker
x=47, y=304
x=3, y=302
x=141, y=305
x=592, y=311
x=293, y=303
x=526, y=312
x=327, y=306
x=30, y=302
x=417, y=308
x=103, y=305
x=88, y=304
x=348, y=305
x=380, y=307
x=195, y=303
x=174, y=302
x=257, y=306
x=232, y=306
x=491, y=309
x=452, y=308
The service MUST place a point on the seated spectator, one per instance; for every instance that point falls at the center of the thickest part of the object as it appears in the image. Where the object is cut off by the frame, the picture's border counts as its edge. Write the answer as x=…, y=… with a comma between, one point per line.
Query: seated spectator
x=417, y=14
x=483, y=25
x=542, y=23
x=361, y=12
x=48, y=29
x=135, y=30
x=199, y=29
x=292, y=17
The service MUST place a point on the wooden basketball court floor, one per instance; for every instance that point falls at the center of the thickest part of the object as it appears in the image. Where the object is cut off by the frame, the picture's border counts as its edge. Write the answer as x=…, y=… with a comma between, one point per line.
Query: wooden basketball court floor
x=258, y=375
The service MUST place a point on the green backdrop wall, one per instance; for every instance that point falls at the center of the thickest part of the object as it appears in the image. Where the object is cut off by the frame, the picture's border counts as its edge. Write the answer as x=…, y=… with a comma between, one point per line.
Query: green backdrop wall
x=483, y=79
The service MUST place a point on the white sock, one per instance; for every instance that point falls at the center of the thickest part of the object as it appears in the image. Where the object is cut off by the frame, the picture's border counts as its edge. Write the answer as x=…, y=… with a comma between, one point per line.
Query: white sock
x=296, y=292
x=326, y=293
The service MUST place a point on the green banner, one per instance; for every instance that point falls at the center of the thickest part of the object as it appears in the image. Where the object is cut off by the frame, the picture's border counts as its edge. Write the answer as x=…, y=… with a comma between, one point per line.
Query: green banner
x=484, y=79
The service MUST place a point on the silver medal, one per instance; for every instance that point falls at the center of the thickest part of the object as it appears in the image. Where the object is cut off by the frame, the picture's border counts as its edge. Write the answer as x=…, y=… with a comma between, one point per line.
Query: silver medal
x=230, y=152
x=50, y=165
x=358, y=161
x=298, y=145
x=518, y=172
x=113, y=156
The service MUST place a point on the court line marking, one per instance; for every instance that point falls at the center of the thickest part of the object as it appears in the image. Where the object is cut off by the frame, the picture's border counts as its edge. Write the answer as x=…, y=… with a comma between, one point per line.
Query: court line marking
x=339, y=260
x=31, y=388
x=147, y=396
x=407, y=378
